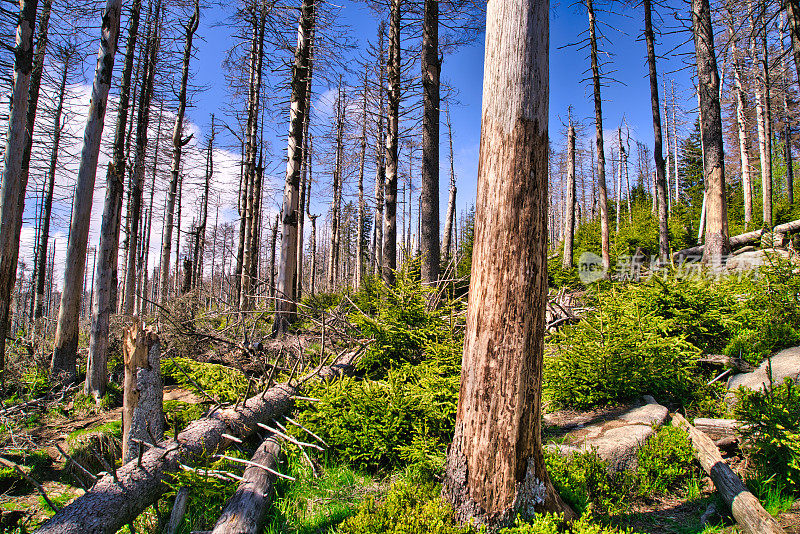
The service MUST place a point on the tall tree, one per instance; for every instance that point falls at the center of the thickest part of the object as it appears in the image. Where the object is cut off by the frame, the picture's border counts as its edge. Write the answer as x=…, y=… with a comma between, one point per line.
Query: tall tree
x=763, y=113
x=601, y=156
x=14, y=178
x=390, y=187
x=661, y=183
x=569, y=209
x=717, y=243
x=793, y=8
x=451, y=201
x=178, y=142
x=495, y=466
x=102, y=303
x=340, y=112
x=361, y=238
x=286, y=305
x=429, y=203
x=66, y=342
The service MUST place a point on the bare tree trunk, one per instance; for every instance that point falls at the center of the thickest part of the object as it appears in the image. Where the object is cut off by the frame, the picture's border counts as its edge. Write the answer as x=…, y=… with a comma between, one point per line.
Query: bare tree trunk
x=787, y=127
x=286, y=305
x=793, y=8
x=336, y=203
x=313, y=284
x=390, y=191
x=305, y=188
x=361, y=238
x=495, y=466
x=272, y=286
x=178, y=142
x=200, y=243
x=660, y=180
x=137, y=178
x=451, y=201
x=741, y=125
x=429, y=203
x=764, y=120
x=601, y=156
x=14, y=176
x=569, y=214
x=717, y=244
x=141, y=304
x=66, y=343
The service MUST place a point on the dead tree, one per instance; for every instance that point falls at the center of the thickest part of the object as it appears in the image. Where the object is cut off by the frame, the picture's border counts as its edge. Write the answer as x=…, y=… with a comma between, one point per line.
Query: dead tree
x=340, y=110
x=495, y=465
x=392, y=134
x=200, y=235
x=285, y=305
x=601, y=156
x=102, y=303
x=429, y=202
x=661, y=183
x=14, y=177
x=569, y=210
x=178, y=142
x=763, y=114
x=451, y=201
x=793, y=8
x=361, y=218
x=66, y=342
x=741, y=124
x=717, y=244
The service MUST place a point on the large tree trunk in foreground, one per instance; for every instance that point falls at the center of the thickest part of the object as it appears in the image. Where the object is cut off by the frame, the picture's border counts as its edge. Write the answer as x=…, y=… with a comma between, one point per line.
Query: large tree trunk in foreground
x=717, y=244
x=746, y=509
x=102, y=302
x=286, y=305
x=390, y=188
x=247, y=509
x=12, y=203
x=143, y=393
x=661, y=184
x=66, y=343
x=495, y=466
x=178, y=142
x=429, y=203
x=111, y=504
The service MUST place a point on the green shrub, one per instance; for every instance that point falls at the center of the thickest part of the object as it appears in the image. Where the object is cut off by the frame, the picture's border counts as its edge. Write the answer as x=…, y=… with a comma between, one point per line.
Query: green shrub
x=96, y=447
x=181, y=414
x=554, y=524
x=407, y=508
x=584, y=482
x=665, y=461
x=223, y=383
x=621, y=351
x=773, y=419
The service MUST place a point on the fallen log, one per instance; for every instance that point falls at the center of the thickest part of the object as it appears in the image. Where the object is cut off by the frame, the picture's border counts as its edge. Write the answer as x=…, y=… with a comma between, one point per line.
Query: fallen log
x=178, y=511
x=247, y=509
x=727, y=362
x=113, y=503
x=742, y=239
x=746, y=509
x=717, y=429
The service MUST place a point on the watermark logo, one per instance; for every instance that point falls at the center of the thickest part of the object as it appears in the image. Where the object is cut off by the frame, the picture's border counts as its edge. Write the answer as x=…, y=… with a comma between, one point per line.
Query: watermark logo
x=590, y=268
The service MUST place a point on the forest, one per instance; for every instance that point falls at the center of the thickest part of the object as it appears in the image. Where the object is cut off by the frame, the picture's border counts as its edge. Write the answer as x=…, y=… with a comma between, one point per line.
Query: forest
x=456, y=303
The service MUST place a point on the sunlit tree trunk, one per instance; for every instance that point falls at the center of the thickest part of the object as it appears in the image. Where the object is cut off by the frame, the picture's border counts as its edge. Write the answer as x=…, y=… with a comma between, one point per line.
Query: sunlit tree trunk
x=569, y=210
x=390, y=187
x=741, y=125
x=451, y=201
x=429, y=201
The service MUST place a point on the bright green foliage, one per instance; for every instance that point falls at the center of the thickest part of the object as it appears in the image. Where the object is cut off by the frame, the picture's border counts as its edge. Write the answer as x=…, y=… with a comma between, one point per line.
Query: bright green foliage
x=584, y=481
x=666, y=461
x=773, y=418
x=407, y=508
x=621, y=351
x=87, y=446
x=181, y=414
x=222, y=383
x=554, y=524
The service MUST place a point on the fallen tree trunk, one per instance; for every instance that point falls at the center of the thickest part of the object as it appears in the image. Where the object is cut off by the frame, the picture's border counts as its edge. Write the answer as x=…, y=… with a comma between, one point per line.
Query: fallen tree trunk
x=246, y=511
x=718, y=428
x=746, y=509
x=118, y=499
x=178, y=511
x=728, y=362
x=742, y=239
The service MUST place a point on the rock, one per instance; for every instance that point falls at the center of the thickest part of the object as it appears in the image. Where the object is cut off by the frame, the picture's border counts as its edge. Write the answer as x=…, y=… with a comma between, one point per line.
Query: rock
x=616, y=439
x=754, y=259
x=785, y=364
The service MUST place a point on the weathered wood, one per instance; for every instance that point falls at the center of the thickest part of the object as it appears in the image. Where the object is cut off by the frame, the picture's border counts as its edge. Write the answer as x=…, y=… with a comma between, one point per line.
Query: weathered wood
x=746, y=509
x=247, y=509
x=743, y=239
x=727, y=362
x=143, y=394
x=113, y=503
x=717, y=429
x=392, y=138
x=429, y=201
x=495, y=465
x=569, y=212
x=178, y=511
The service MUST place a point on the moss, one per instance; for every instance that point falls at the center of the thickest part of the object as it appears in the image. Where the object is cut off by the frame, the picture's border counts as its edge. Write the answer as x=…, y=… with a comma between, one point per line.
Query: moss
x=88, y=446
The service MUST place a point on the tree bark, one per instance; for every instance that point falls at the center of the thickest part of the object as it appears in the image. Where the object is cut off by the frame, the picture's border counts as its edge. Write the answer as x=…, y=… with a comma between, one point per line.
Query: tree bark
x=390, y=186
x=286, y=305
x=660, y=185
x=429, y=203
x=601, y=156
x=764, y=117
x=495, y=466
x=66, y=342
x=451, y=201
x=717, y=242
x=569, y=210
x=178, y=142
x=741, y=126
x=793, y=8
x=360, y=237
x=336, y=203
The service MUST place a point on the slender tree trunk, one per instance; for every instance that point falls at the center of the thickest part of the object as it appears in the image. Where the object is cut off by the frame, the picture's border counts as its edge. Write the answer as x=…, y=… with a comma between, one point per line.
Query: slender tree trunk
x=141, y=304
x=495, y=466
x=764, y=125
x=741, y=126
x=601, y=156
x=66, y=343
x=787, y=127
x=273, y=245
x=451, y=201
x=390, y=187
x=793, y=8
x=569, y=214
x=336, y=203
x=660, y=180
x=717, y=243
x=360, y=237
x=429, y=203
x=305, y=188
x=286, y=305
x=178, y=142
x=313, y=284
x=137, y=178
x=201, y=229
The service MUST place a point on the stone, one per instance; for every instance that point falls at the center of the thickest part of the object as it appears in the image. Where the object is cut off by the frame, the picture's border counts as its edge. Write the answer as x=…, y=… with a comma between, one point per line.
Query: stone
x=754, y=259
x=785, y=364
